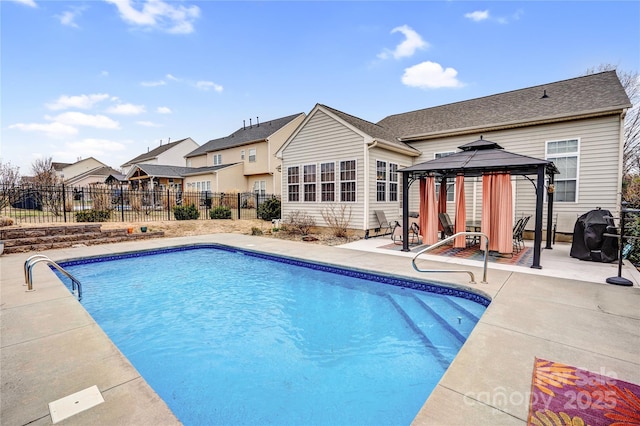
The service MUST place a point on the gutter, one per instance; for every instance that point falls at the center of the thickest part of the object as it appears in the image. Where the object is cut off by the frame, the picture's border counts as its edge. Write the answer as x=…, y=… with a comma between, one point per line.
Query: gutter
x=509, y=125
x=394, y=148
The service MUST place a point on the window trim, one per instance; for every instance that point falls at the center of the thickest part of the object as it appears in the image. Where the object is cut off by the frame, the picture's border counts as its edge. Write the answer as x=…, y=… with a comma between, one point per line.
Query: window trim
x=217, y=159
x=314, y=183
x=296, y=184
x=394, y=182
x=355, y=180
x=576, y=154
x=254, y=155
x=381, y=196
x=327, y=182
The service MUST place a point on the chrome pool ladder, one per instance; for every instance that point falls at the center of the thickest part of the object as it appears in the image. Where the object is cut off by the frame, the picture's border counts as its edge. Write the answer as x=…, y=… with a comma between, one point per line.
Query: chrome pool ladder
x=41, y=258
x=445, y=241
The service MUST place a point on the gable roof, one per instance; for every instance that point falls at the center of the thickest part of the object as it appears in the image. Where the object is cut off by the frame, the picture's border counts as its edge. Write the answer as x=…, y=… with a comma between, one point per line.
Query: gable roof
x=105, y=171
x=154, y=152
x=244, y=135
x=172, y=171
x=594, y=94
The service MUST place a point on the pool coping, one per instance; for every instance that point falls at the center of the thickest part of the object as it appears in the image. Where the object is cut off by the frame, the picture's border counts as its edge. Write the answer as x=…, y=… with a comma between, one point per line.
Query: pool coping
x=593, y=326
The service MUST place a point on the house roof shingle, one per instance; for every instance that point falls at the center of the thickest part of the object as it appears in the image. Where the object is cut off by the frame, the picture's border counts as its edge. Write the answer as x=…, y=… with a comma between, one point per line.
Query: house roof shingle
x=587, y=94
x=153, y=153
x=174, y=171
x=244, y=135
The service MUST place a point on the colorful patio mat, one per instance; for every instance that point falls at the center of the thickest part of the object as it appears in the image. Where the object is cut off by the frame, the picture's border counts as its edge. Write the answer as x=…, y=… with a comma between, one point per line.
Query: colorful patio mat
x=565, y=395
x=522, y=258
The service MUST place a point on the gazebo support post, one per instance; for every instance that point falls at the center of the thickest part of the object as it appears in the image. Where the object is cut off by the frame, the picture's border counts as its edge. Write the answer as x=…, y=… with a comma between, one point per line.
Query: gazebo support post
x=405, y=211
x=537, y=239
x=550, y=211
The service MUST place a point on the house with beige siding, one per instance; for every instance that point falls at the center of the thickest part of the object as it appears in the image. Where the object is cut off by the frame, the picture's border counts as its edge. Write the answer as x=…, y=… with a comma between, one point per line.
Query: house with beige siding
x=335, y=158
x=168, y=154
x=83, y=167
x=244, y=161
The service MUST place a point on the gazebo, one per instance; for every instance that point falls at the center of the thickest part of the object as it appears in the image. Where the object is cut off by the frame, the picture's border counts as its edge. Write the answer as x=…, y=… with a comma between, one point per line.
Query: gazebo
x=489, y=160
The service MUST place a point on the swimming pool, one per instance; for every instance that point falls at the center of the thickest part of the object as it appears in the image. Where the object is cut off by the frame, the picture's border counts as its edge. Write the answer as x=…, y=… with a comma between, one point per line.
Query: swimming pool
x=237, y=337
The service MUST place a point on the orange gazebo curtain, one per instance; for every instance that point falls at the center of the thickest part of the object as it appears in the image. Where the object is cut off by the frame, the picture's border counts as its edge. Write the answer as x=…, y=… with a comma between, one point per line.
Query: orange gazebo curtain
x=428, y=211
x=497, y=211
x=461, y=213
x=442, y=200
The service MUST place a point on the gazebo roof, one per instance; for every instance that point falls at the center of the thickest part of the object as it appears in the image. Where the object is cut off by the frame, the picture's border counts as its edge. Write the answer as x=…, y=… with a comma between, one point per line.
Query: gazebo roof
x=481, y=156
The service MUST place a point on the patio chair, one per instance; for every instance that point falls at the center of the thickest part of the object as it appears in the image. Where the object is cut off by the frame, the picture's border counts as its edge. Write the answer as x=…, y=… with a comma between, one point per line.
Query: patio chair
x=447, y=224
x=518, y=230
x=385, y=227
x=414, y=233
x=565, y=222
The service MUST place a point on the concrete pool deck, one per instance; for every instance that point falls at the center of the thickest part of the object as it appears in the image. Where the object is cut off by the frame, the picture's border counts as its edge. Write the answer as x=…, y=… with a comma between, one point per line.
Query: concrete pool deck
x=51, y=348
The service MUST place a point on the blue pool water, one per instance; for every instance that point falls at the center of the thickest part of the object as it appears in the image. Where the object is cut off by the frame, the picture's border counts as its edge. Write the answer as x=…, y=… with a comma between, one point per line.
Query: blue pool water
x=232, y=337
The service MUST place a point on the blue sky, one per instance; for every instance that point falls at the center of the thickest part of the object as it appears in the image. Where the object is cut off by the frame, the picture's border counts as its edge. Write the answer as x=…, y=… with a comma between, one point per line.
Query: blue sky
x=110, y=79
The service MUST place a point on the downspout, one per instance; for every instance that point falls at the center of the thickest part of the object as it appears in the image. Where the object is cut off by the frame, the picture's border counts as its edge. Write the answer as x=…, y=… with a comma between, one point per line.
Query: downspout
x=367, y=147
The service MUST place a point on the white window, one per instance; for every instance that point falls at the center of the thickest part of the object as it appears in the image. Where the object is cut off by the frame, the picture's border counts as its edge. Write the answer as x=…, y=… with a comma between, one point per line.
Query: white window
x=217, y=159
x=393, y=182
x=309, y=172
x=381, y=180
x=348, y=180
x=328, y=181
x=260, y=187
x=564, y=155
x=252, y=155
x=293, y=183
x=242, y=154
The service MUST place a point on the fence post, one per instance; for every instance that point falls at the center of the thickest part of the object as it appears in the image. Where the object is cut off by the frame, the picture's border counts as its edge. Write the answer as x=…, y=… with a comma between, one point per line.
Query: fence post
x=121, y=202
x=238, y=204
x=168, y=204
x=257, y=203
x=64, y=203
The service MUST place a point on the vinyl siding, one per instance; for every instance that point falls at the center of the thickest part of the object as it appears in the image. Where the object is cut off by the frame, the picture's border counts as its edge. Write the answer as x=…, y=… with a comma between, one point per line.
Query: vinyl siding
x=598, y=164
x=392, y=210
x=324, y=139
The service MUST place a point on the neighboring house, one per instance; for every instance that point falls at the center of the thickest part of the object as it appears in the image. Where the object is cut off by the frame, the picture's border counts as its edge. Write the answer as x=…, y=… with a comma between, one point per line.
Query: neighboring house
x=336, y=159
x=70, y=172
x=243, y=161
x=169, y=154
x=58, y=167
x=98, y=175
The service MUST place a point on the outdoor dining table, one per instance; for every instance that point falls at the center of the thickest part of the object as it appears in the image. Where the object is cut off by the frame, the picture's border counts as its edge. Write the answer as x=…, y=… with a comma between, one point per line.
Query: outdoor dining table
x=474, y=226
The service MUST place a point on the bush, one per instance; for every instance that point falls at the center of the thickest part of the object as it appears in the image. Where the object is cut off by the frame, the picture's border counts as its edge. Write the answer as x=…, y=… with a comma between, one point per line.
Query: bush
x=299, y=223
x=338, y=219
x=93, y=216
x=6, y=221
x=220, y=212
x=256, y=231
x=188, y=212
x=270, y=209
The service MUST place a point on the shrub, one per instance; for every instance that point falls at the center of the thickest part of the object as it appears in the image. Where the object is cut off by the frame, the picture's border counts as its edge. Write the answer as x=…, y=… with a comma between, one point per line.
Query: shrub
x=299, y=223
x=270, y=209
x=220, y=212
x=256, y=231
x=338, y=219
x=188, y=212
x=93, y=216
x=6, y=221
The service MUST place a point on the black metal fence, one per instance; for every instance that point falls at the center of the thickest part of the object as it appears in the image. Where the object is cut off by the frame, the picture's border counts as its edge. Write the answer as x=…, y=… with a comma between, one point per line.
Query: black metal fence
x=61, y=203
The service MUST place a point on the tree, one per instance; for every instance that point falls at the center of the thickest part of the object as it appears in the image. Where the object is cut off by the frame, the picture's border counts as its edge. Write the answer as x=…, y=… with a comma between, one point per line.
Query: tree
x=49, y=194
x=631, y=150
x=43, y=172
x=9, y=175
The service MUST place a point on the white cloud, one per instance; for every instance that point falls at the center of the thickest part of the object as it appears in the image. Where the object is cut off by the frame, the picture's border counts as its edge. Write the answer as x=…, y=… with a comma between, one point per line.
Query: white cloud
x=30, y=3
x=430, y=75
x=208, y=85
x=53, y=130
x=81, y=101
x=81, y=119
x=478, y=15
x=153, y=83
x=104, y=73
x=164, y=110
x=68, y=17
x=127, y=109
x=148, y=124
x=412, y=42
x=158, y=14
x=171, y=77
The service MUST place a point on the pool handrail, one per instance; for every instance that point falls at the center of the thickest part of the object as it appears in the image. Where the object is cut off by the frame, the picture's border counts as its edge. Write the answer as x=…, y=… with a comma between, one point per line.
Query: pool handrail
x=445, y=241
x=39, y=258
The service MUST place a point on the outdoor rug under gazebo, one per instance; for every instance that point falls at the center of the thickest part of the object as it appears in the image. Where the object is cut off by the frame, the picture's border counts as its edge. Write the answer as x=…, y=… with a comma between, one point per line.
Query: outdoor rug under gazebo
x=523, y=258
